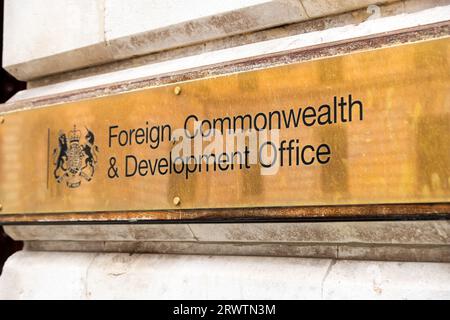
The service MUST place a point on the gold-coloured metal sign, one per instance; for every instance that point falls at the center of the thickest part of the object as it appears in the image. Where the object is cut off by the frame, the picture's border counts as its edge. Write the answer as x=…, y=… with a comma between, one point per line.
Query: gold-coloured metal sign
x=363, y=128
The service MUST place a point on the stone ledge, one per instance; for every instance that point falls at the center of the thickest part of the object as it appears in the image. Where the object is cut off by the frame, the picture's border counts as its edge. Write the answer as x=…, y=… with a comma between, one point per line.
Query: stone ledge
x=428, y=232
x=124, y=232
x=363, y=240
x=189, y=247
x=374, y=232
x=65, y=275
x=395, y=253
x=413, y=253
x=129, y=31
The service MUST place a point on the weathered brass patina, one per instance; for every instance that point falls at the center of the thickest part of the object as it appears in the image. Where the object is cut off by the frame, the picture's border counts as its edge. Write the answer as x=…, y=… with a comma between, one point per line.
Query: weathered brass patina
x=392, y=150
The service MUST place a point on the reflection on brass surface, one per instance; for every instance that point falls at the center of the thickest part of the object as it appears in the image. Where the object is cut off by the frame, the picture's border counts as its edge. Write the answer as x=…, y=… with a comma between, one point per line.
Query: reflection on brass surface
x=391, y=149
x=334, y=177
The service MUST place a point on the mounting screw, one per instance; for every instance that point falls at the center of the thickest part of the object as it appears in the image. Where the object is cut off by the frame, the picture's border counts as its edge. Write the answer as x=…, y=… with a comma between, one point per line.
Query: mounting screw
x=2, y=120
x=177, y=90
x=176, y=201
x=1, y=207
x=375, y=12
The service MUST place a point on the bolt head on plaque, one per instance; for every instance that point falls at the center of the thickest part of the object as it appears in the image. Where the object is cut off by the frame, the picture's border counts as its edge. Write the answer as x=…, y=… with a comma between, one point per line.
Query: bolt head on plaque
x=176, y=201
x=2, y=120
x=177, y=90
x=1, y=207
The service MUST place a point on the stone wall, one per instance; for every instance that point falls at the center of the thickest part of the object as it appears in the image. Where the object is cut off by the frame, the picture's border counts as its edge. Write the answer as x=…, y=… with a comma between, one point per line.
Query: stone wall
x=95, y=48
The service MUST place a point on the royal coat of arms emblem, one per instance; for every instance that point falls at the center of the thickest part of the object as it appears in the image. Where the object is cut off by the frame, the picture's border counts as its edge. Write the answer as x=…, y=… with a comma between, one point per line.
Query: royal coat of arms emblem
x=74, y=161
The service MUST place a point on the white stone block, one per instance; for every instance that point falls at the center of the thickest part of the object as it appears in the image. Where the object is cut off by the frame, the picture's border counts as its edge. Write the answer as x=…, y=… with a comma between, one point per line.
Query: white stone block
x=205, y=277
x=52, y=36
x=387, y=280
x=38, y=35
x=42, y=275
x=63, y=275
x=34, y=275
x=36, y=29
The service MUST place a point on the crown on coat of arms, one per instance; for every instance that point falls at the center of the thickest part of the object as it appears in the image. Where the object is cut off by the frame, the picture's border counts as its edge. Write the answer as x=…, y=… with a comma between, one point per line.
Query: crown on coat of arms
x=74, y=135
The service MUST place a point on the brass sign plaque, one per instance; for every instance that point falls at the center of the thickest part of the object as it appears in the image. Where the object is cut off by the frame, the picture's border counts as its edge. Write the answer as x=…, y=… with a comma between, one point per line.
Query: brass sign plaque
x=363, y=128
